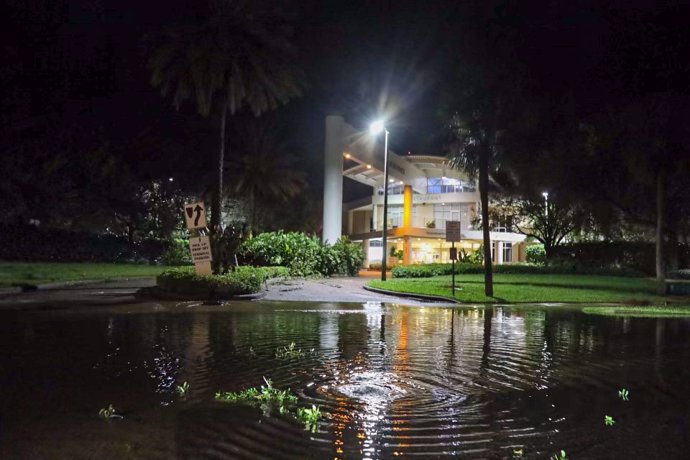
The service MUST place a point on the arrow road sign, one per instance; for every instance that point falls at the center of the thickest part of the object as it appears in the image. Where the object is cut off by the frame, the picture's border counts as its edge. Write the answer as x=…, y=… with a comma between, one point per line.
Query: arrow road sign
x=195, y=215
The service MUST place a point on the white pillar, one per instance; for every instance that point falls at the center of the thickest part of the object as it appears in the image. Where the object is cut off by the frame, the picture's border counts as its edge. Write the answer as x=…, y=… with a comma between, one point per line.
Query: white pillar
x=333, y=180
x=374, y=217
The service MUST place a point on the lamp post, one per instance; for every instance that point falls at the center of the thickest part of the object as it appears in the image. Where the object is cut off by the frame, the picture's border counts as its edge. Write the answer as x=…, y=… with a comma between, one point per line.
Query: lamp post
x=546, y=204
x=376, y=128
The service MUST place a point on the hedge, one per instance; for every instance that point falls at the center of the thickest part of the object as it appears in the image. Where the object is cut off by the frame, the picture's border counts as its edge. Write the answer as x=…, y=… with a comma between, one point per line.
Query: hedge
x=429, y=270
x=244, y=280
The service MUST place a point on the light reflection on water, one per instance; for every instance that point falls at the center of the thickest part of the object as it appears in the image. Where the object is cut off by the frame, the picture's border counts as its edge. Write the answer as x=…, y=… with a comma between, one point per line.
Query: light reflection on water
x=390, y=380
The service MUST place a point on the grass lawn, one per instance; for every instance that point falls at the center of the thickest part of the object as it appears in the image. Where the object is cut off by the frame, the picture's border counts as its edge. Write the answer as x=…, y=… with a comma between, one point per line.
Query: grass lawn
x=535, y=288
x=12, y=273
x=640, y=312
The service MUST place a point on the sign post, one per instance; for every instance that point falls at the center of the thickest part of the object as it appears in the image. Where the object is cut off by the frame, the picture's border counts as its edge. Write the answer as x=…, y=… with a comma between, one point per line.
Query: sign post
x=199, y=245
x=453, y=235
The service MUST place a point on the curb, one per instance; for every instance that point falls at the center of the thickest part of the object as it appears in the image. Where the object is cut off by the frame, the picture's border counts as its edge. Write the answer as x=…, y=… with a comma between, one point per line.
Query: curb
x=155, y=293
x=409, y=295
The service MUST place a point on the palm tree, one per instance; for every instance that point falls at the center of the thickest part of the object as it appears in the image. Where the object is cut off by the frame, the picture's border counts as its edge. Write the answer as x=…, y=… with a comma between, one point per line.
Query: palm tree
x=241, y=56
x=473, y=149
x=265, y=173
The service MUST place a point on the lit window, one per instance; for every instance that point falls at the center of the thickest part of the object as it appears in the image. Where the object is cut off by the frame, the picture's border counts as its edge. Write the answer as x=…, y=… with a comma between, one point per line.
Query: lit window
x=507, y=252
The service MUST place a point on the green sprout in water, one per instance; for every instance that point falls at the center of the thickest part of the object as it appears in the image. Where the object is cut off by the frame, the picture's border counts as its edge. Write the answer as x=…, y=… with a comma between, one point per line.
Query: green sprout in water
x=623, y=394
x=182, y=389
x=289, y=352
x=310, y=417
x=108, y=413
x=266, y=396
x=608, y=420
x=518, y=453
x=559, y=456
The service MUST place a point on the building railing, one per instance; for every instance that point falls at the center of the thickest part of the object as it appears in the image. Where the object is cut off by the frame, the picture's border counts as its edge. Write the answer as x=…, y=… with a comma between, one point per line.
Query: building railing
x=396, y=221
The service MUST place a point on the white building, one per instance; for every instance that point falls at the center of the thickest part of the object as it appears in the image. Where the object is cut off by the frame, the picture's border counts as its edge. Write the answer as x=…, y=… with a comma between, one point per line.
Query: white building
x=423, y=194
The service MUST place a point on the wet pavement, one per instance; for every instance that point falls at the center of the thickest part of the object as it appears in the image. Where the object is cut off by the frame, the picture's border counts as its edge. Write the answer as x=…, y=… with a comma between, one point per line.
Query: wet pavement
x=118, y=292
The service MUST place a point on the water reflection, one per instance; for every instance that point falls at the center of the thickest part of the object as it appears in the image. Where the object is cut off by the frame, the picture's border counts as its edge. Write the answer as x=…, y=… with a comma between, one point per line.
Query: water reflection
x=391, y=381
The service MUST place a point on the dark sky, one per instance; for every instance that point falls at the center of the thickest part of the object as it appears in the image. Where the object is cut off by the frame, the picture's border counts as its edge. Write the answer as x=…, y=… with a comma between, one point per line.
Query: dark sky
x=85, y=61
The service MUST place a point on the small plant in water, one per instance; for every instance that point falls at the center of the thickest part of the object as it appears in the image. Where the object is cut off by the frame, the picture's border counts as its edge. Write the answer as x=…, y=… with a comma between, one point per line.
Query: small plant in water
x=108, y=413
x=518, y=453
x=623, y=394
x=559, y=456
x=289, y=352
x=252, y=353
x=182, y=389
x=266, y=396
x=608, y=420
x=310, y=417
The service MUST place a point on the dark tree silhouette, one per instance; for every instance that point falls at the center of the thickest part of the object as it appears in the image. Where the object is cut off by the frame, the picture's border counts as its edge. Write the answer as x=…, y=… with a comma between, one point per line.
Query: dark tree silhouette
x=240, y=56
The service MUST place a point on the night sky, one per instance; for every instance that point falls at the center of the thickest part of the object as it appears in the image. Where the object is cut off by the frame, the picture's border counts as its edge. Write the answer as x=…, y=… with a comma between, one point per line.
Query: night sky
x=85, y=62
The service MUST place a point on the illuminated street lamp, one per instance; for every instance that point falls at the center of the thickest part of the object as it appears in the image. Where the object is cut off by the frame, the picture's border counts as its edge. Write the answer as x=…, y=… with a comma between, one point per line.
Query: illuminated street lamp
x=375, y=128
x=546, y=204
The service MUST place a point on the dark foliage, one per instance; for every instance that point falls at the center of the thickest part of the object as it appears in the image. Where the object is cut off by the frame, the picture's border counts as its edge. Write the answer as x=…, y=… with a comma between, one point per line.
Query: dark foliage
x=33, y=244
x=638, y=256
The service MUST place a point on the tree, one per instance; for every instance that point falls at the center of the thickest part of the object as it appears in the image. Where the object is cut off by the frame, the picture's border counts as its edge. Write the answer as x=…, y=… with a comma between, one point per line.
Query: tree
x=472, y=151
x=240, y=56
x=265, y=172
x=548, y=222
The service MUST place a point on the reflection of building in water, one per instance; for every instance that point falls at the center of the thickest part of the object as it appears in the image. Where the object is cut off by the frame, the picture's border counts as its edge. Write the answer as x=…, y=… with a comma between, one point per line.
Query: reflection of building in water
x=400, y=407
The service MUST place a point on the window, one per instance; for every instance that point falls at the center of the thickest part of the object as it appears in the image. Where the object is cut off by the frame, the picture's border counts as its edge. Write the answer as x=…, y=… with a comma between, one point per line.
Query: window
x=436, y=185
x=507, y=252
x=452, y=211
x=395, y=189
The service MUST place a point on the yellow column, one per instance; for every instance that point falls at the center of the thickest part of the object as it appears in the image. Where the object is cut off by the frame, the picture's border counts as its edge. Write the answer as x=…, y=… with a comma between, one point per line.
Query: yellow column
x=407, y=250
x=407, y=207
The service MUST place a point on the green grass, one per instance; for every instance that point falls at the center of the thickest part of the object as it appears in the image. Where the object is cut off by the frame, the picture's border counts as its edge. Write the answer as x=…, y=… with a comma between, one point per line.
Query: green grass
x=533, y=288
x=13, y=273
x=640, y=312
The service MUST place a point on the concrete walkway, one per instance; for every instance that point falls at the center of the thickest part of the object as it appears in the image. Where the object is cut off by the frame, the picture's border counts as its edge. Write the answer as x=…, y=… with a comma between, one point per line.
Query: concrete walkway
x=333, y=290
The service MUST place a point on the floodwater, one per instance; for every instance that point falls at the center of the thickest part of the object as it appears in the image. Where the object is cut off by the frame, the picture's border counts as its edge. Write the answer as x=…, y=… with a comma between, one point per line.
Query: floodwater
x=390, y=381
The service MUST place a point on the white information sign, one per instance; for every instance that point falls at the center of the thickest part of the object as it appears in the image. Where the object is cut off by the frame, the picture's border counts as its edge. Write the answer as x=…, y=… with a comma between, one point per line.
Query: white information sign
x=200, y=248
x=195, y=215
x=203, y=268
x=452, y=230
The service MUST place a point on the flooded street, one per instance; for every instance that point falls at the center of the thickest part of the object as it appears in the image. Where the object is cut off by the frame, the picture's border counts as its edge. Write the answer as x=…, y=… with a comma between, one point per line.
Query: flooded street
x=390, y=380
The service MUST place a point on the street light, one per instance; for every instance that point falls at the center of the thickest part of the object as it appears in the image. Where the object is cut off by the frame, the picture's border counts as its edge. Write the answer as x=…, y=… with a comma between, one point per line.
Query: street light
x=375, y=128
x=546, y=204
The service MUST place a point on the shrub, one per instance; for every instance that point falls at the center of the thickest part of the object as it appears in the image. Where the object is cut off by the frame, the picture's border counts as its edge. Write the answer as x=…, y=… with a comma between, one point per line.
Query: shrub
x=244, y=280
x=351, y=256
x=303, y=255
x=177, y=253
x=275, y=272
x=535, y=254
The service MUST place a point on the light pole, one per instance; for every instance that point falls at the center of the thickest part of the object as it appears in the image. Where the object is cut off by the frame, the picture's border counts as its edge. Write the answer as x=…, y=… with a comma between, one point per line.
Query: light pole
x=376, y=128
x=546, y=204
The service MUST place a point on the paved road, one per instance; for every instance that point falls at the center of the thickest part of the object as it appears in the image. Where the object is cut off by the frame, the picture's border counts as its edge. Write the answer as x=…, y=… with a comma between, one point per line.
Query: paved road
x=122, y=292
x=76, y=295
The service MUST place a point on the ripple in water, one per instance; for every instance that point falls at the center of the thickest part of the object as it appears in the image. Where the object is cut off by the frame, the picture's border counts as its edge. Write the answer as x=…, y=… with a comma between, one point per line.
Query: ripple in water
x=390, y=381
